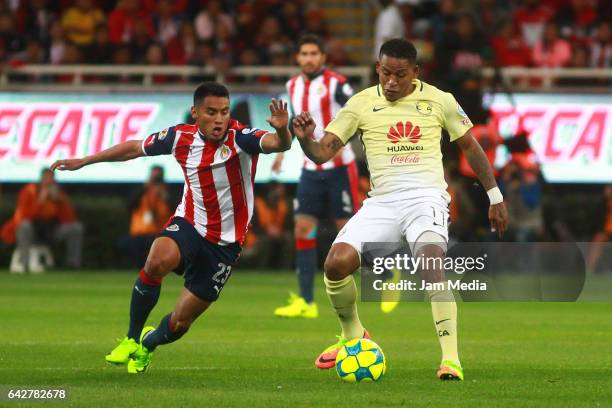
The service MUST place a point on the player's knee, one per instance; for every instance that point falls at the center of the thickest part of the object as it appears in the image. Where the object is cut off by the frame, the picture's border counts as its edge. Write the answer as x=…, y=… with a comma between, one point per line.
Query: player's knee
x=303, y=230
x=155, y=267
x=340, y=263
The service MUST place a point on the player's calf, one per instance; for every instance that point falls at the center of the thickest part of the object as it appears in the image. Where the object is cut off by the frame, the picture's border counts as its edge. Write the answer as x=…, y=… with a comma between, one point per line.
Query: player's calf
x=341, y=262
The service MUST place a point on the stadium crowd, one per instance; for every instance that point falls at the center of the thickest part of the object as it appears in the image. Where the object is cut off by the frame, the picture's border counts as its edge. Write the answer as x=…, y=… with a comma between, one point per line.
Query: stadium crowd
x=540, y=33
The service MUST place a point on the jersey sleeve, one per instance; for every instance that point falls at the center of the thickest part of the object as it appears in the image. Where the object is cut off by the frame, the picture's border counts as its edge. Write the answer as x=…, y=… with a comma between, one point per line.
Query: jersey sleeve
x=455, y=121
x=346, y=122
x=159, y=143
x=249, y=139
x=343, y=92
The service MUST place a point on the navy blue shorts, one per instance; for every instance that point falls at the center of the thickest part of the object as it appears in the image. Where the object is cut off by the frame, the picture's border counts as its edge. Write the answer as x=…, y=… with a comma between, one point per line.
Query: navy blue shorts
x=206, y=266
x=327, y=193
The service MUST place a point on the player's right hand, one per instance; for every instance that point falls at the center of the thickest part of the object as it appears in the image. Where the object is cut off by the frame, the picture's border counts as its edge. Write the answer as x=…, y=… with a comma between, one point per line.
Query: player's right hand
x=69, y=164
x=498, y=217
x=303, y=125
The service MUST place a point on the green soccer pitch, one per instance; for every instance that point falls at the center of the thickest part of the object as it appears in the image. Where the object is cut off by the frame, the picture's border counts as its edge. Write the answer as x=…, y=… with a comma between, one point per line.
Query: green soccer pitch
x=56, y=328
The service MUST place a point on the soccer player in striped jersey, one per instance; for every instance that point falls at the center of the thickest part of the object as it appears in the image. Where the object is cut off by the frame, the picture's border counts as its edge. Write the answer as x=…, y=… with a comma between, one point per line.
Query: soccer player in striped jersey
x=325, y=191
x=203, y=239
x=400, y=121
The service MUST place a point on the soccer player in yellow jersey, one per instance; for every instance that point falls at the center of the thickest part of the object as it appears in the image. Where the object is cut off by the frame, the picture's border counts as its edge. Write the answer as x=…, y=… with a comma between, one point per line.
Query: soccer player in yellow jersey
x=400, y=121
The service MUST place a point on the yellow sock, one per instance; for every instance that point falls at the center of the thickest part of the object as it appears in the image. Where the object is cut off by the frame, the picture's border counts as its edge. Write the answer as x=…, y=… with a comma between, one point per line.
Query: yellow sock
x=444, y=310
x=343, y=297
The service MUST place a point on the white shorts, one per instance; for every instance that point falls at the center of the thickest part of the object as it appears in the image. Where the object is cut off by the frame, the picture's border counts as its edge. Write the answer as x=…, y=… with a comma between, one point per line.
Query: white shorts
x=398, y=217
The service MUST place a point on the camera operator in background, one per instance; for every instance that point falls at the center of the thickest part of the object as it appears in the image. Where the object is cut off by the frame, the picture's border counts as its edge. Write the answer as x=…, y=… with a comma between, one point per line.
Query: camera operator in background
x=149, y=212
x=44, y=215
x=522, y=190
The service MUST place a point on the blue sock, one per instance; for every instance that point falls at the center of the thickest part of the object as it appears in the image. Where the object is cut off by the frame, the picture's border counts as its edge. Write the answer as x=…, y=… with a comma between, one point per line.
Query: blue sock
x=306, y=260
x=144, y=298
x=162, y=335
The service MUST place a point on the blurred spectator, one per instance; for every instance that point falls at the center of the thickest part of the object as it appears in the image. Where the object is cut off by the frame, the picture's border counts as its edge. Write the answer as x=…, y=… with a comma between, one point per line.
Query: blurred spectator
x=122, y=56
x=149, y=212
x=510, y=48
x=57, y=46
x=140, y=42
x=523, y=196
x=461, y=54
x=204, y=54
x=462, y=210
x=601, y=46
x=443, y=20
x=249, y=56
x=34, y=53
x=122, y=21
x=272, y=237
x=336, y=54
x=530, y=19
x=247, y=24
x=316, y=24
x=34, y=17
x=207, y=20
x=44, y=215
x=603, y=236
x=489, y=15
x=291, y=19
x=166, y=22
x=72, y=55
x=80, y=21
x=389, y=24
x=102, y=50
x=181, y=49
x=576, y=18
x=579, y=59
x=552, y=51
x=10, y=41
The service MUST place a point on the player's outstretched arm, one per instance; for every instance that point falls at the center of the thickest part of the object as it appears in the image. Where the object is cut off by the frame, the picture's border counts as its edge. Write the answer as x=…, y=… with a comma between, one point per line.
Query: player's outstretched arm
x=121, y=152
x=476, y=157
x=321, y=151
x=279, y=119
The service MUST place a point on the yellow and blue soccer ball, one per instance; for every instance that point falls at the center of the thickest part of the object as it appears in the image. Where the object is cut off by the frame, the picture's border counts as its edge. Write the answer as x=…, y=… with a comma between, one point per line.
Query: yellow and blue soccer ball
x=360, y=360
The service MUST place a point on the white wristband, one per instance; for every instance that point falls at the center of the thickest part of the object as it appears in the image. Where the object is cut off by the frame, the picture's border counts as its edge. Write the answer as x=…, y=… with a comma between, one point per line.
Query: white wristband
x=495, y=196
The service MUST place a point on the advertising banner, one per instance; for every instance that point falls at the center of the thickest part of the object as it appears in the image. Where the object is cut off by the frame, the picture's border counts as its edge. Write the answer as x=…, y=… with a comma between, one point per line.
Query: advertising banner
x=39, y=128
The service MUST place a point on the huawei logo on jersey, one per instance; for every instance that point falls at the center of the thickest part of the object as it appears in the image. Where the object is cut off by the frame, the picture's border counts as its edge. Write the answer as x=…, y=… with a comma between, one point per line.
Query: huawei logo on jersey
x=404, y=130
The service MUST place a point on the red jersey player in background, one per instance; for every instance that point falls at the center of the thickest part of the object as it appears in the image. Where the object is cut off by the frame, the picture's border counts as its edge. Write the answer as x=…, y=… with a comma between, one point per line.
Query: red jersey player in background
x=325, y=191
x=203, y=239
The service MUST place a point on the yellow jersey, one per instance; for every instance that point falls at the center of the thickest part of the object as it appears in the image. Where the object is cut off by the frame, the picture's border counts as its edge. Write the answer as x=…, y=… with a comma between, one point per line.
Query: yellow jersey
x=401, y=139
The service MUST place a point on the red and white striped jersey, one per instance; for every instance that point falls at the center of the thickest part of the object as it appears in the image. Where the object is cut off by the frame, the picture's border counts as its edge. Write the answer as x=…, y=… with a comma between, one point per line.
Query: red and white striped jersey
x=219, y=177
x=322, y=96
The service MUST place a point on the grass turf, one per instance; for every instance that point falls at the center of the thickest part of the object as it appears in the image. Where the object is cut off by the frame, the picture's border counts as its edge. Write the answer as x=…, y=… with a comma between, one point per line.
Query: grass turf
x=56, y=329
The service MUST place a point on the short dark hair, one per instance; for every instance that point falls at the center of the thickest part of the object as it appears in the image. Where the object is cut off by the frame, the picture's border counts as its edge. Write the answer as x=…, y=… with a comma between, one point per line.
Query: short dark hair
x=209, y=89
x=311, y=39
x=399, y=48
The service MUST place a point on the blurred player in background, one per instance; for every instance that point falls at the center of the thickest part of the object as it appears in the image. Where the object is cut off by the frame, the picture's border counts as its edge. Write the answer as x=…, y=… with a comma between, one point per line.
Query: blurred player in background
x=326, y=190
x=203, y=239
x=400, y=121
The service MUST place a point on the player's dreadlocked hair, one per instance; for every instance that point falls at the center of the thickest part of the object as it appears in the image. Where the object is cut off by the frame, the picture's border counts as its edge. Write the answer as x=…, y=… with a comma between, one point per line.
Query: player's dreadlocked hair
x=399, y=48
x=209, y=89
x=311, y=39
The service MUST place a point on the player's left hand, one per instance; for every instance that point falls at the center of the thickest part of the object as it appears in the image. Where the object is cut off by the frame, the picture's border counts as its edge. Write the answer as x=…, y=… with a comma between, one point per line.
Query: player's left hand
x=498, y=216
x=70, y=164
x=279, y=117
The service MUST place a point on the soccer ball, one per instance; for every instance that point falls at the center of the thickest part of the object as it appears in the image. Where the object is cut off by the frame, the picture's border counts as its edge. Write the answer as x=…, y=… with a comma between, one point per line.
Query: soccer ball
x=360, y=360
